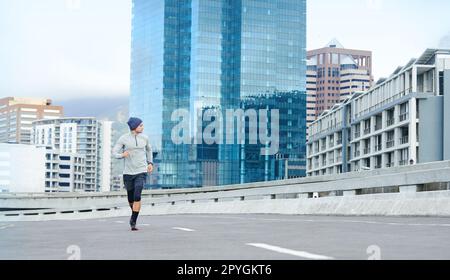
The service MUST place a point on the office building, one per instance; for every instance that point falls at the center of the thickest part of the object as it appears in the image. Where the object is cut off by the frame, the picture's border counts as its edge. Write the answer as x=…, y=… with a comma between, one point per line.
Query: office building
x=196, y=55
x=333, y=74
x=17, y=115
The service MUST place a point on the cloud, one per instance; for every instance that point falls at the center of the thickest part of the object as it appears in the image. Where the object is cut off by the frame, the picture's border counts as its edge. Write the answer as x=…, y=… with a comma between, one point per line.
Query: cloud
x=73, y=5
x=445, y=42
x=375, y=5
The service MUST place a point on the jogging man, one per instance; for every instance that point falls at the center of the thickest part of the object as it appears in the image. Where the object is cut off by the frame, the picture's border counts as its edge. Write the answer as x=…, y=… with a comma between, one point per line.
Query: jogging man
x=135, y=149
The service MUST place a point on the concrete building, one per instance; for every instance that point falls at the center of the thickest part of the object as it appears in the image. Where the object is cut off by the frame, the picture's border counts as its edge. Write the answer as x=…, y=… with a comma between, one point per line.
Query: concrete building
x=29, y=168
x=84, y=136
x=70, y=172
x=333, y=74
x=402, y=120
x=17, y=115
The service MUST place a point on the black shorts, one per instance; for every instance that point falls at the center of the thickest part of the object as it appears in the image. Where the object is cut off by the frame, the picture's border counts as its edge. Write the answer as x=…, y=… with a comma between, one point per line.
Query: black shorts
x=134, y=184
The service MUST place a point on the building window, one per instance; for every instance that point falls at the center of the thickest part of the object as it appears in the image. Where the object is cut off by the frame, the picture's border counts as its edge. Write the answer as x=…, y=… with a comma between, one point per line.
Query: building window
x=441, y=83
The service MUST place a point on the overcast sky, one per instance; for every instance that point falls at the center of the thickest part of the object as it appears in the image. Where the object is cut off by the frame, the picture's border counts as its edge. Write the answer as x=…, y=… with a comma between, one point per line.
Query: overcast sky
x=75, y=48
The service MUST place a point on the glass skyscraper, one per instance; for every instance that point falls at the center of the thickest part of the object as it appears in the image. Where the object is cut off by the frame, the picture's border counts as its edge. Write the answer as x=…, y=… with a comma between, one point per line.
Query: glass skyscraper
x=221, y=54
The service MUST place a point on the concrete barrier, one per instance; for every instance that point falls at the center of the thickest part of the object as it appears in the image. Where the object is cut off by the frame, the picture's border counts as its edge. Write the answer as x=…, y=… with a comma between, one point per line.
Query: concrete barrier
x=328, y=195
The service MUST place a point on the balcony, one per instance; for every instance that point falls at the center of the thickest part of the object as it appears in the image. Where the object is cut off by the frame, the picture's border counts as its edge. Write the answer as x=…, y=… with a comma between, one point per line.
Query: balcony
x=357, y=134
x=331, y=161
x=404, y=140
x=366, y=151
x=403, y=162
x=378, y=147
x=378, y=166
x=323, y=148
x=378, y=127
x=390, y=122
x=339, y=141
x=331, y=144
x=390, y=164
x=339, y=159
x=357, y=154
x=403, y=117
x=390, y=144
x=366, y=131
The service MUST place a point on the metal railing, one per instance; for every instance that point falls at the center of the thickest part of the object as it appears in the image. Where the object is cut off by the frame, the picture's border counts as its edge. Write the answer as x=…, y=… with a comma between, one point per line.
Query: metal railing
x=390, y=122
x=403, y=117
x=390, y=144
x=404, y=140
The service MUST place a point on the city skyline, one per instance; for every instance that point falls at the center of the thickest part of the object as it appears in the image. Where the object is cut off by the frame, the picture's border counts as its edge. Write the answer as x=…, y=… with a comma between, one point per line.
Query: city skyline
x=84, y=56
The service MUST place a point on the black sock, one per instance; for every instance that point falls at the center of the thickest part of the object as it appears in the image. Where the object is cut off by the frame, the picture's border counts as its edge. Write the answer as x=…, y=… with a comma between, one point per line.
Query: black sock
x=134, y=217
x=131, y=205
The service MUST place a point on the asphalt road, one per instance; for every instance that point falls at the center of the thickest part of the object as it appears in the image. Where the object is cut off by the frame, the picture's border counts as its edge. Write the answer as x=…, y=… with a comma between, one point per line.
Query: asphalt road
x=230, y=237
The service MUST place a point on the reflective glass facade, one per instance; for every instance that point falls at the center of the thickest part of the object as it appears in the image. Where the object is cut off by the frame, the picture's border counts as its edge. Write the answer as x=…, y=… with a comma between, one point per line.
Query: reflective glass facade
x=198, y=54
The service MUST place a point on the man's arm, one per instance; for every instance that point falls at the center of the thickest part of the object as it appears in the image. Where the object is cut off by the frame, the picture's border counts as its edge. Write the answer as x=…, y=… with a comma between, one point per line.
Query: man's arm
x=117, y=149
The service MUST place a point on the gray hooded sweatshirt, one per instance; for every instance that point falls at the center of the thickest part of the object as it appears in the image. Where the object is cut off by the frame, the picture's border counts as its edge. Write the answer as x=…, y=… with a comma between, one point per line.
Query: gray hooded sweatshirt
x=140, y=153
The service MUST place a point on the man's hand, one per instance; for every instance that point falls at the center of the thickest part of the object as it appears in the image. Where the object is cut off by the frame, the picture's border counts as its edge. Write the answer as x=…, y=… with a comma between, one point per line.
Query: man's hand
x=150, y=168
x=125, y=154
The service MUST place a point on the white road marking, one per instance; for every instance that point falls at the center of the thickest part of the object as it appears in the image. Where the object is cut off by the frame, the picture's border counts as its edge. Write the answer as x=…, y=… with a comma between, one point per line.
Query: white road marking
x=145, y=225
x=120, y=222
x=6, y=226
x=327, y=221
x=183, y=229
x=301, y=254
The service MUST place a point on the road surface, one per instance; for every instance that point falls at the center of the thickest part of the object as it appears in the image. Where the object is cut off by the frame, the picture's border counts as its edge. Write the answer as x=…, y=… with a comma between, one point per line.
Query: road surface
x=230, y=237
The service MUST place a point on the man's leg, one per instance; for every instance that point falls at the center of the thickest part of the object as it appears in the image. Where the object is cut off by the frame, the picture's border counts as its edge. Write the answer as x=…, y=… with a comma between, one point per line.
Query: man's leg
x=138, y=187
x=130, y=195
x=129, y=186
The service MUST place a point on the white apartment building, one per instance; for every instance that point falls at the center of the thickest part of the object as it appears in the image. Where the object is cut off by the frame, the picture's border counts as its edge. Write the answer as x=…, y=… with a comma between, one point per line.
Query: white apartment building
x=91, y=138
x=404, y=119
x=64, y=172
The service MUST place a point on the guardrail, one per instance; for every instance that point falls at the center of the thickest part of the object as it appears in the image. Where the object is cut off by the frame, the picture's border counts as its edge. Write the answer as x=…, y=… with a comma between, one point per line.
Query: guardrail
x=411, y=179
